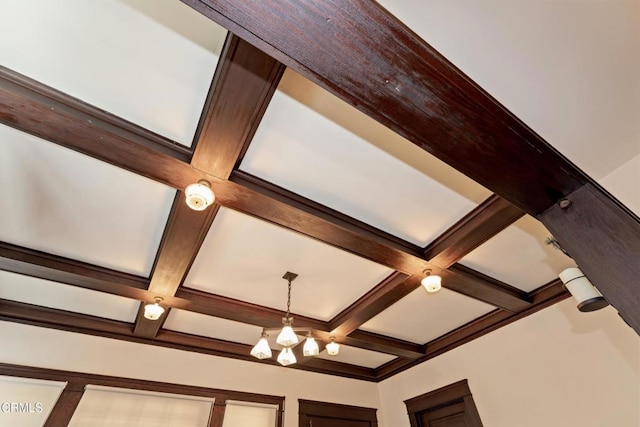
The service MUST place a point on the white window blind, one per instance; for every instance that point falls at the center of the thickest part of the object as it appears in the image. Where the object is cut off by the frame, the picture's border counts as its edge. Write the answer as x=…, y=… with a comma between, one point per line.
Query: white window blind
x=116, y=407
x=246, y=414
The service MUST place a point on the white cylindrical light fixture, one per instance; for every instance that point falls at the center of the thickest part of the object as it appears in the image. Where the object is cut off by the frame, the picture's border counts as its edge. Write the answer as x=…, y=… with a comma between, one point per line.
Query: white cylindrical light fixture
x=199, y=195
x=333, y=348
x=153, y=311
x=286, y=357
x=588, y=297
x=262, y=349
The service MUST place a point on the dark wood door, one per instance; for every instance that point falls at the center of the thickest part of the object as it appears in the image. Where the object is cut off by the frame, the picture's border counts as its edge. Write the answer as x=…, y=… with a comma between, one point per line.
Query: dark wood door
x=336, y=422
x=449, y=416
x=323, y=414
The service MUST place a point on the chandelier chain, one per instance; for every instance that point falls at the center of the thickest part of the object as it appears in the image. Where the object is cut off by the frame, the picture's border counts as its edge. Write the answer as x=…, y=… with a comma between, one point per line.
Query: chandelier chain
x=289, y=300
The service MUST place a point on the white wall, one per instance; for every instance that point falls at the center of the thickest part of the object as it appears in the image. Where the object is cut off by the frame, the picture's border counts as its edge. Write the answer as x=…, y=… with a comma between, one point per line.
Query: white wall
x=48, y=348
x=558, y=367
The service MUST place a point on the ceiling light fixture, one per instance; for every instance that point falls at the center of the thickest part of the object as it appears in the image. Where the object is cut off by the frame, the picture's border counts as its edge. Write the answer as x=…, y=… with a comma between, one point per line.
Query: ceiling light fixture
x=262, y=349
x=310, y=346
x=153, y=311
x=588, y=297
x=431, y=282
x=199, y=195
x=287, y=336
x=333, y=348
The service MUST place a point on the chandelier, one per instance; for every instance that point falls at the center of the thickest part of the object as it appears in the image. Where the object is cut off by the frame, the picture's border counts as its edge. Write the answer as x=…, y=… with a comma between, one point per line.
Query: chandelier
x=288, y=338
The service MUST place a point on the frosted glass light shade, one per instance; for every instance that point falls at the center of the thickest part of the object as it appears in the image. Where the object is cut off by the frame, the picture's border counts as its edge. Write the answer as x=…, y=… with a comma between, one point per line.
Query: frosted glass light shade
x=153, y=311
x=287, y=337
x=262, y=349
x=286, y=357
x=432, y=283
x=587, y=296
x=333, y=348
x=310, y=347
x=199, y=195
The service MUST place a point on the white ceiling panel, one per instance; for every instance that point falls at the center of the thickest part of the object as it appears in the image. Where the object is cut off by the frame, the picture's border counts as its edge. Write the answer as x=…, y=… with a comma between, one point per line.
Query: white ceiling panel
x=358, y=356
x=569, y=69
x=213, y=327
x=519, y=256
x=150, y=62
x=39, y=395
x=421, y=317
x=35, y=291
x=68, y=204
x=315, y=145
x=245, y=258
x=114, y=407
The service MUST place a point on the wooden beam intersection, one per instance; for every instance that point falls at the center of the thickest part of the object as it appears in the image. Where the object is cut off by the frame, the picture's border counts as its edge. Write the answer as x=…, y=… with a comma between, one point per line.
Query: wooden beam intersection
x=67, y=123
x=241, y=89
x=74, y=322
x=402, y=82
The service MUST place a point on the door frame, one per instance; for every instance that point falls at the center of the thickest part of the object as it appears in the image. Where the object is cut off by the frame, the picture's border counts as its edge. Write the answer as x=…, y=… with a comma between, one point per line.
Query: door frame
x=458, y=392
x=311, y=408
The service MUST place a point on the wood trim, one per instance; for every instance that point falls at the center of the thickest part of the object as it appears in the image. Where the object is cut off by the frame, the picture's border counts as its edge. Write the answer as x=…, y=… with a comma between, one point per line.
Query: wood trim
x=455, y=120
x=307, y=408
x=241, y=90
x=469, y=282
x=438, y=397
x=56, y=118
x=306, y=217
x=39, y=110
x=391, y=290
x=485, y=221
x=217, y=414
x=66, y=405
x=543, y=297
x=81, y=323
x=29, y=262
x=456, y=393
x=282, y=207
x=135, y=384
x=243, y=85
x=603, y=238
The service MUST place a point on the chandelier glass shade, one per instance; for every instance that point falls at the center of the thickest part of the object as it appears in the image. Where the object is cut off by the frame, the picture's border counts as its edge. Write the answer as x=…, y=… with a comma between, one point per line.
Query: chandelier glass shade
x=288, y=337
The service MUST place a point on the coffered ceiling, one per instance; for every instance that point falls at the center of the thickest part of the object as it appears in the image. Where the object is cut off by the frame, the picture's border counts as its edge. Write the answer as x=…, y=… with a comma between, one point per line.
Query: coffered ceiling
x=110, y=108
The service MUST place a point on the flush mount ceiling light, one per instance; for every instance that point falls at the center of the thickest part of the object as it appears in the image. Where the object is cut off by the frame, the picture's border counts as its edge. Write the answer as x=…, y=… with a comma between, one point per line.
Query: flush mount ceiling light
x=333, y=348
x=199, y=195
x=287, y=336
x=153, y=311
x=588, y=297
x=431, y=282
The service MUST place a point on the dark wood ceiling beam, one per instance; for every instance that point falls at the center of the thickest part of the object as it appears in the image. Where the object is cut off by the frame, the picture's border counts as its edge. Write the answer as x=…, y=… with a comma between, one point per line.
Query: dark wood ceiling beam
x=485, y=221
x=29, y=262
x=242, y=87
x=543, y=297
x=58, y=269
x=66, y=404
x=73, y=124
x=596, y=231
x=469, y=282
x=482, y=223
x=277, y=205
x=269, y=202
x=81, y=323
x=402, y=82
x=391, y=290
